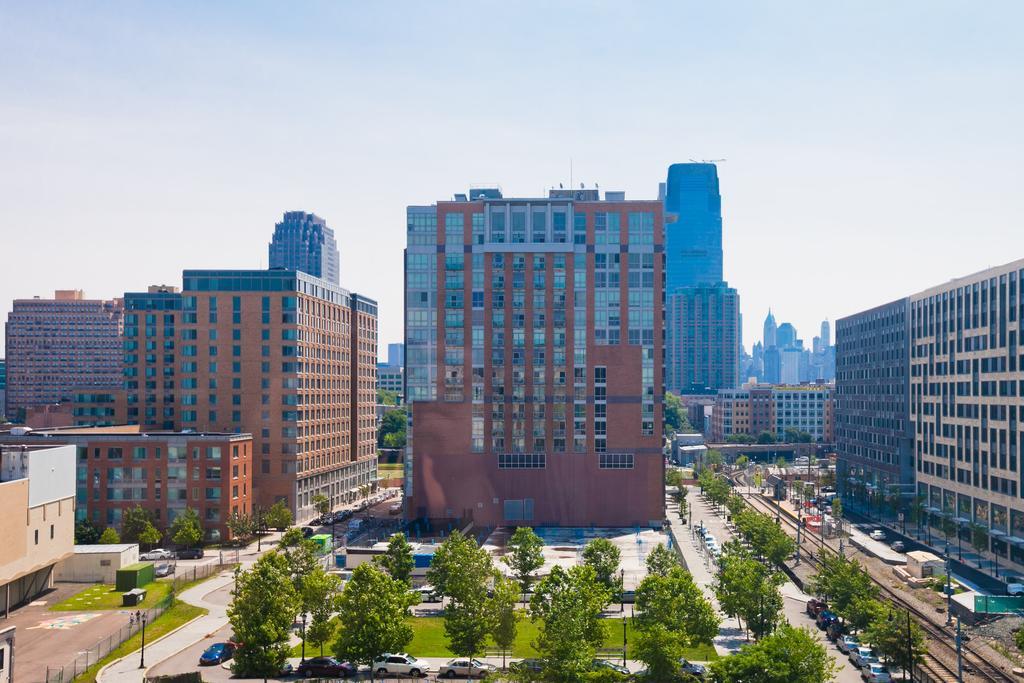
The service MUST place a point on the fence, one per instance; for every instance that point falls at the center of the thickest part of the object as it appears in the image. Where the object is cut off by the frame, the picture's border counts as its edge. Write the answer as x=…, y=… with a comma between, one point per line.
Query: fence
x=89, y=657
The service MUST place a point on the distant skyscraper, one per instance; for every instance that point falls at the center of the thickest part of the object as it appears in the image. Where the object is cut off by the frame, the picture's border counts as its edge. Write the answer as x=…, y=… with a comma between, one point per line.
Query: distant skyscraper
x=770, y=330
x=693, y=226
x=703, y=324
x=302, y=241
x=396, y=355
x=826, y=335
x=3, y=386
x=785, y=336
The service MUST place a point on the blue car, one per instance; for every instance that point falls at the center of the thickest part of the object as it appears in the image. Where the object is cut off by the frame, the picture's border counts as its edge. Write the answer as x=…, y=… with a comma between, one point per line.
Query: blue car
x=218, y=653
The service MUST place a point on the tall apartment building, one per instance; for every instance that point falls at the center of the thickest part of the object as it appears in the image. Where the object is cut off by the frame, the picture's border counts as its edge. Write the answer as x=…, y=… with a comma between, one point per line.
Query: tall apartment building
x=151, y=322
x=292, y=359
x=966, y=412
x=3, y=387
x=703, y=339
x=37, y=506
x=533, y=359
x=302, y=241
x=120, y=467
x=57, y=345
x=396, y=355
x=693, y=226
x=874, y=438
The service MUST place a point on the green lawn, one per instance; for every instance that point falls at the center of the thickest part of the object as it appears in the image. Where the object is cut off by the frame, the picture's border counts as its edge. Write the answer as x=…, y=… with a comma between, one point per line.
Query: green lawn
x=179, y=614
x=106, y=596
x=390, y=468
x=429, y=640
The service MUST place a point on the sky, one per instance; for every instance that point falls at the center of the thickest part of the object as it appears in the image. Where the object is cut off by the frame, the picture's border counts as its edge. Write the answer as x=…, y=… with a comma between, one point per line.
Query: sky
x=872, y=149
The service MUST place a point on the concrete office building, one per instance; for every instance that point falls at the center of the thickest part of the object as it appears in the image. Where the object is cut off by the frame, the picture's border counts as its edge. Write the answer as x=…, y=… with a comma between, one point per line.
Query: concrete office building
x=872, y=409
x=789, y=365
x=533, y=359
x=805, y=408
x=163, y=472
x=57, y=345
x=302, y=241
x=37, y=506
x=966, y=412
x=391, y=378
x=292, y=359
x=702, y=339
x=396, y=355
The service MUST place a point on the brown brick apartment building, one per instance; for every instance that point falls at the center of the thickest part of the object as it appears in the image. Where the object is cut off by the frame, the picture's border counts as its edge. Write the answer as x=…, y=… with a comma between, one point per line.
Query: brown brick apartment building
x=118, y=468
x=534, y=359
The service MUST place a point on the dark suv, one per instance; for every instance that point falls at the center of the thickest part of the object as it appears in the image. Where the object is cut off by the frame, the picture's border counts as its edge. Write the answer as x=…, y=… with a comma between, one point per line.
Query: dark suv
x=190, y=554
x=325, y=666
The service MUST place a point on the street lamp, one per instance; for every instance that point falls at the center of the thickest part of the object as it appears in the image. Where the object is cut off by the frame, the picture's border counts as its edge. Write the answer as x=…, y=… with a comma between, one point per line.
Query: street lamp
x=142, y=657
x=623, y=641
x=622, y=591
x=303, y=637
x=949, y=590
x=799, y=526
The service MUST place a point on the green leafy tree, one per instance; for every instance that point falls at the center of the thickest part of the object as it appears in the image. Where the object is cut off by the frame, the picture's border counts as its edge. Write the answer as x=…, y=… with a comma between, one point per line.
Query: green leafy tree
x=673, y=477
x=137, y=527
x=392, y=429
x=321, y=504
x=525, y=555
x=898, y=639
x=792, y=435
x=677, y=603
x=110, y=536
x=660, y=649
x=740, y=438
x=765, y=438
x=504, y=620
x=675, y=416
x=566, y=606
x=749, y=590
x=240, y=526
x=602, y=555
x=186, y=529
x=842, y=581
x=714, y=459
x=278, y=516
x=979, y=535
x=300, y=557
x=86, y=533
x=319, y=598
x=387, y=398
x=742, y=461
x=661, y=561
x=397, y=559
x=461, y=570
x=372, y=611
x=862, y=612
x=149, y=536
x=790, y=655
x=263, y=608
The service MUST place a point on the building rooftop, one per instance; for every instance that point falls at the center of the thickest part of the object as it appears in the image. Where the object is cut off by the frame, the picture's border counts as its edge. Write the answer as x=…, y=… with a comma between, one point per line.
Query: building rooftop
x=114, y=432
x=108, y=548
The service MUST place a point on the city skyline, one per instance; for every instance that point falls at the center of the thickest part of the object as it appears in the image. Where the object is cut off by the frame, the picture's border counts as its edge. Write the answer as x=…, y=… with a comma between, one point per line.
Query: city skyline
x=832, y=153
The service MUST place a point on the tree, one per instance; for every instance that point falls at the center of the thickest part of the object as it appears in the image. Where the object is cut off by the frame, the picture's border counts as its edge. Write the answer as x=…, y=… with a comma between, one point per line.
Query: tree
x=842, y=581
x=137, y=527
x=397, y=559
x=862, y=612
x=186, y=529
x=792, y=435
x=740, y=438
x=979, y=536
x=372, y=611
x=109, y=536
x=602, y=555
x=661, y=561
x=765, y=438
x=749, y=590
x=714, y=459
x=278, y=516
x=263, y=608
x=300, y=557
x=673, y=477
x=675, y=602
x=86, y=533
x=567, y=606
x=837, y=508
x=898, y=639
x=461, y=570
x=660, y=649
x=321, y=503
x=319, y=598
x=387, y=398
x=504, y=622
x=790, y=655
x=525, y=555
x=392, y=429
x=741, y=462
x=240, y=526
x=675, y=416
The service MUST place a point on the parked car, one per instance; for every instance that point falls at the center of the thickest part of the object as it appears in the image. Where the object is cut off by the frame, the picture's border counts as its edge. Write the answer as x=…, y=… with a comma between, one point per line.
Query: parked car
x=308, y=531
x=533, y=666
x=878, y=535
x=834, y=630
x=218, y=653
x=401, y=663
x=815, y=605
x=466, y=668
x=897, y=546
x=692, y=668
x=876, y=673
x=428, y=594
x=847, y=643
x=191, y=554
x=824, y=618
x=157, y=554
x=163, y=569
x=325, y=666
x=862, y=656
x=627, y=597
x=599, y=664
x=1014, y=588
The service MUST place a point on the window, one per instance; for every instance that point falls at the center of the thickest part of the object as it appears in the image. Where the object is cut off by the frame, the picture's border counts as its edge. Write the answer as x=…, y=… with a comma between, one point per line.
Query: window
x=615, y=461
x=521, y=461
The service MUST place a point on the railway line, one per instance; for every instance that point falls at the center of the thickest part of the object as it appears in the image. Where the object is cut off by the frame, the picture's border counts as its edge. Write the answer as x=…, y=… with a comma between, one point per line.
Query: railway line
x=940, y=663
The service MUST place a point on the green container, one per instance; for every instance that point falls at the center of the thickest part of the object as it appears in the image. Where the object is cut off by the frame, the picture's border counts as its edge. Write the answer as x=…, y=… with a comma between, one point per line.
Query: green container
x=134, y=576
x=998, y=604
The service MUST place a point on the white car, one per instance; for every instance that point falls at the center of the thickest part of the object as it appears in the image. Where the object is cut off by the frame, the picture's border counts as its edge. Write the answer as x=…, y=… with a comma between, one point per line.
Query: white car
x=846, y=644
x=157, y=554
x=401, y=663
x=862, y=657
x=878, y=535
x=466, y=668
x=876, y=673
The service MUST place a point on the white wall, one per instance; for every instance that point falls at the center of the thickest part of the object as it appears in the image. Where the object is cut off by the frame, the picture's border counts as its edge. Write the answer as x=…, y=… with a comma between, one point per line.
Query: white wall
x=51, y=474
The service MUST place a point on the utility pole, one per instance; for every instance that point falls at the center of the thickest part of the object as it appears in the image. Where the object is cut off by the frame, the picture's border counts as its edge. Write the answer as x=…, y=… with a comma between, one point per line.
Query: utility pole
x=959, y=655
x=799, y=526
x=949, y=590
x=910, y=650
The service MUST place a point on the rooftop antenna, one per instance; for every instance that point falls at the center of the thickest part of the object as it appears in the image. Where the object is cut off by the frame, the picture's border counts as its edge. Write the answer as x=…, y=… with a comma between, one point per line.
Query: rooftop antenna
x=570, y=171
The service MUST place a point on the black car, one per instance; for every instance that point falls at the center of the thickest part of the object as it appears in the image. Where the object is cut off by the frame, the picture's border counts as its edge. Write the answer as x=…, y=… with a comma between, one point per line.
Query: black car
x=190, y=554
x=533, y=666
x=692, y=668
x=308, y=531
x=325, y=666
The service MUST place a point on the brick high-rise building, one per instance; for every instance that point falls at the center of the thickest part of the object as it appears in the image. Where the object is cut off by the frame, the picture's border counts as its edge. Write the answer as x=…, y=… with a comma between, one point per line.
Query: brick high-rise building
x=151, y=322
x=57, y=345
x=534, y=359
x=292, y=359
x=703, y=339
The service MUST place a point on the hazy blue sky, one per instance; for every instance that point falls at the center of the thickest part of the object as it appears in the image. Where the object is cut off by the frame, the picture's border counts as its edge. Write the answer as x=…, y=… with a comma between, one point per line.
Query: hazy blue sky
x=874, y=148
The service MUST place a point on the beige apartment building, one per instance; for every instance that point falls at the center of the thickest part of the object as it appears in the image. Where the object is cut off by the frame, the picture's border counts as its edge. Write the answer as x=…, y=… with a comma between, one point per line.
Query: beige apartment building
x=37, y=518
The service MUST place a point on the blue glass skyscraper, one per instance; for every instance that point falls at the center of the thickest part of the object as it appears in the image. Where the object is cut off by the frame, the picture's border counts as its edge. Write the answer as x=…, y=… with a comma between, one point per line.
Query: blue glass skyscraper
x=693, y=226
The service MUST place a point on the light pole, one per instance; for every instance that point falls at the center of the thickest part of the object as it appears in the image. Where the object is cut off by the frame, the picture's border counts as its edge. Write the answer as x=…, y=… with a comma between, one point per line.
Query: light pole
x=949, y=590
x=624, y=641
x=959, y=655
x=257, y=525
x=142, y=657
x=799, y=526
x=303, y=660
x=622, y=591
x=910, y=650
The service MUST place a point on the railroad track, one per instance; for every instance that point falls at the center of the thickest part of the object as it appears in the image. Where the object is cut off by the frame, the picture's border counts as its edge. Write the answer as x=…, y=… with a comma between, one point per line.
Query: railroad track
x=937, y=637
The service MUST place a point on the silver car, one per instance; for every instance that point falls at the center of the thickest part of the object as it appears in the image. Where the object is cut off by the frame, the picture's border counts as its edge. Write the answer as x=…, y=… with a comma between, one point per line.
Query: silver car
x=466, y=668
x=157, y=554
